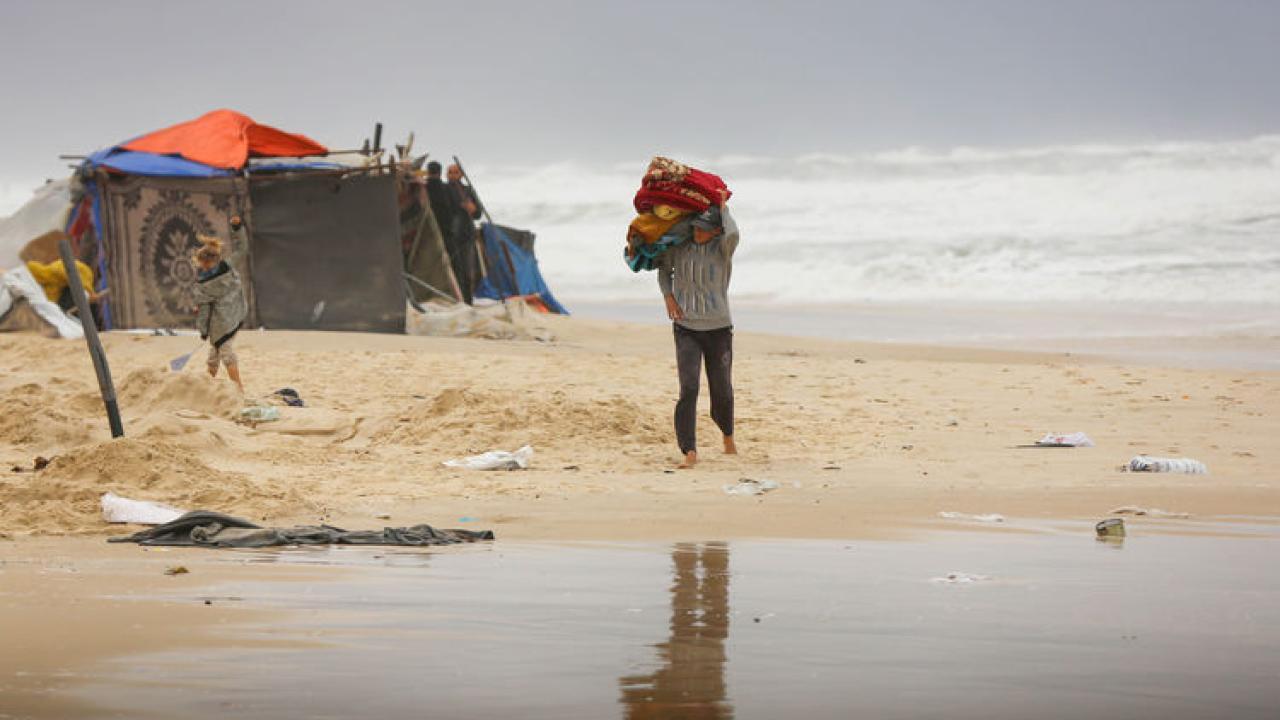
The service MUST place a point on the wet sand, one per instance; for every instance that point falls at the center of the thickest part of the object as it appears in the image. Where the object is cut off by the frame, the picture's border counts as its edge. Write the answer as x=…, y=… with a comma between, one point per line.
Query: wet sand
x=1053, y=624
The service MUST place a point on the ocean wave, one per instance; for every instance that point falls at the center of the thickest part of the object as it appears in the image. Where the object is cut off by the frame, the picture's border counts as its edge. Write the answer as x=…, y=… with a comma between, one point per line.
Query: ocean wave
x=1167, y=222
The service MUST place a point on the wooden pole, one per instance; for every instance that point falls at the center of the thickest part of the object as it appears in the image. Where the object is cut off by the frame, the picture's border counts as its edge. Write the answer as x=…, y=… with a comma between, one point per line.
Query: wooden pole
x=483, y=210
x=91, y=339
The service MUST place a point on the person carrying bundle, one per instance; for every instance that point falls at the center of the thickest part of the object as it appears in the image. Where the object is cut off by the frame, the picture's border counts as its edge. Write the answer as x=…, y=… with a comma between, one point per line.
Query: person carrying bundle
x=685, y=231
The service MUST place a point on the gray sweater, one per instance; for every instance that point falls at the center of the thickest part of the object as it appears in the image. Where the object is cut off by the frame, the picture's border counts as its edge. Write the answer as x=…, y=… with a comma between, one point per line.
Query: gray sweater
x=222, y=305
x=698, y=277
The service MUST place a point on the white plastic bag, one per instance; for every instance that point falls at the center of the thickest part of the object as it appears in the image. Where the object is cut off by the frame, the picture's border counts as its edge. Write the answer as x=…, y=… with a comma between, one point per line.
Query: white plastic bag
x=495, y=460
x=116, y=509
x=1075, y=439
x=1146, y=463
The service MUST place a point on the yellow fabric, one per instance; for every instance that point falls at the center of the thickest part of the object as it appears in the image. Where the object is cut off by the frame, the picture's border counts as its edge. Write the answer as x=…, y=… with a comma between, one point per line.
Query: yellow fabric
x=666, y=212
x=650, y=227
x=52, y=277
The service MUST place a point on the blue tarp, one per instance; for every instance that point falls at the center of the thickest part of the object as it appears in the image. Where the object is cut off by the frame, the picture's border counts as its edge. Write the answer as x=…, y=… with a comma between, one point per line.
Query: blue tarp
x=141, y=163
x=512, y=271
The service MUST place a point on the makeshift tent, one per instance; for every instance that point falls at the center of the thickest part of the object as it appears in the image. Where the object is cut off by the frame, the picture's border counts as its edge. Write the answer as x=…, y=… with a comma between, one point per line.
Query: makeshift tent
x=319, y=248
x=24, y=307
x=513, y=270
x=45, y=211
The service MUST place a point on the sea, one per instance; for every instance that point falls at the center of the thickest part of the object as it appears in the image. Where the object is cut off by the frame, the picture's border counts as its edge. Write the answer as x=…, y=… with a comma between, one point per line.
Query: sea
x=1169, y=238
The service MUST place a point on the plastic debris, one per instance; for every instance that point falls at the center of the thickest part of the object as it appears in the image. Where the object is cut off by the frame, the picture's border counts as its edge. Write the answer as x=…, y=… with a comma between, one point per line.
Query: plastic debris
x=749, y=486
x=1075, y=439
x=988, y=518
x=1149, y=512
x=176, y=570
x=1146, y=463
x=116, y=509
x=1111, y=527
x=960, y=578
x=495, y=460
x=258, y=414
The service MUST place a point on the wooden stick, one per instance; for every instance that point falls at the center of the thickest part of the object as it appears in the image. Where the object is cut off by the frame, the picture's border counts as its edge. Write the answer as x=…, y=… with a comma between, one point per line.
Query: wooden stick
x=96, y=352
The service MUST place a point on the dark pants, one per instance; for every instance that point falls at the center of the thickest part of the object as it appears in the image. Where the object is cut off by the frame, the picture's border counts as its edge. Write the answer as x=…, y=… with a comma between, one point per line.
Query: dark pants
x=714, y=348
x=462, y=256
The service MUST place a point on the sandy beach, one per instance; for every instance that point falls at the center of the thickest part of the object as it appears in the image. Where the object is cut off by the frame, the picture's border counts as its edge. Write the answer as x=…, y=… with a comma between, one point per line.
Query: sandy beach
x=864, y=440
x=858, y=436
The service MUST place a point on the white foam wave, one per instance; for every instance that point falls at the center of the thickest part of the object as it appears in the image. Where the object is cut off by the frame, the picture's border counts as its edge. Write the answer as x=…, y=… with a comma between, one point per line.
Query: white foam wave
x=1175, y=222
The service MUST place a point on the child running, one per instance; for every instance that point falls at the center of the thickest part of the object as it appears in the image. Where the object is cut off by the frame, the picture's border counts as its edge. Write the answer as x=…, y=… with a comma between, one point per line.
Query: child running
x=220, y=306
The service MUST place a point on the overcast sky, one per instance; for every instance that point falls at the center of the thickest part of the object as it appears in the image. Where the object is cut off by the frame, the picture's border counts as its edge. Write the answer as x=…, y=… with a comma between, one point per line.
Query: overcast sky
x=525, y=82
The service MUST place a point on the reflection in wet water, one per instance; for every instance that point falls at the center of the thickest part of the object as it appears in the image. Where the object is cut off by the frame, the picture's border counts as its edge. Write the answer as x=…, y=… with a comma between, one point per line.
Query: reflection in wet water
x=690, y=683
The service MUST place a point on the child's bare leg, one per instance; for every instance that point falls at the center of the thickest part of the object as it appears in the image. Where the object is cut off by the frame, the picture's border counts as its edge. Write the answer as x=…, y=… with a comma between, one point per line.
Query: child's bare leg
x=730, y=448
x=233, y=372
x=690, y=459
x=213, y=371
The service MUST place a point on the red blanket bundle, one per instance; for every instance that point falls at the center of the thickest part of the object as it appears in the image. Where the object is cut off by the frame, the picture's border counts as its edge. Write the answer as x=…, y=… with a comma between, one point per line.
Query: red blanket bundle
x=668, y=182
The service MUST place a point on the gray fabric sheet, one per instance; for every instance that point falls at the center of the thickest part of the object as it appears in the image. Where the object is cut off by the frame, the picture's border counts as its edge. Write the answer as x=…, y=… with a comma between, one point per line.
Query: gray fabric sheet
x=204, y=528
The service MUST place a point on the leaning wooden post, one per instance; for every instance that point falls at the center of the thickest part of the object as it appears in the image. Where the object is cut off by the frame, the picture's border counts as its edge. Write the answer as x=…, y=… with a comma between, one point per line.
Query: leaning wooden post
x=91, y=339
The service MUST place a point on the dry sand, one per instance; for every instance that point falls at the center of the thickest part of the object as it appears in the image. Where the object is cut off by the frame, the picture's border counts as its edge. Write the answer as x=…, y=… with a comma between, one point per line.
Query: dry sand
x=861, y=437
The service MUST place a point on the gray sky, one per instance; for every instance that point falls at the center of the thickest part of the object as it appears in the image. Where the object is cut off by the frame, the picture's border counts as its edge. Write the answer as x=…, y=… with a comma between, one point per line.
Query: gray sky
x=524, y=82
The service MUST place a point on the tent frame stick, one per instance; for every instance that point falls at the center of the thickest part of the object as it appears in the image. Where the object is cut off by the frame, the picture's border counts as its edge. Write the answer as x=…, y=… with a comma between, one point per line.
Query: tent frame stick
x=414, y=279
x=96, y=353
x=483, y=210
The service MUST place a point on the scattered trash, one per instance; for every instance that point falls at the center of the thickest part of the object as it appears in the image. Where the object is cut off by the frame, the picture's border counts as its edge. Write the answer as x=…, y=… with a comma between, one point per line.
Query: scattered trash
x=1146, y=463
x=255, y=414
x=290, y=397
x=1075, y=439
x=831, y=467
x=116, y=509
x=1111, y=527
x=908, y=447
x=176, y=570
x=1149, y=512
x=749, y=486
x=383, y=516
x=495, y=460
x=39, y=463
x=988, y=518
x=467, y=518
x=205, y=528
x=959, y=578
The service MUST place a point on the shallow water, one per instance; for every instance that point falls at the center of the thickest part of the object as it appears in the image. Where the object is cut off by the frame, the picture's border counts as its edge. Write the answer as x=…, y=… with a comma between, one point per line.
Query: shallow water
x=1167, y=626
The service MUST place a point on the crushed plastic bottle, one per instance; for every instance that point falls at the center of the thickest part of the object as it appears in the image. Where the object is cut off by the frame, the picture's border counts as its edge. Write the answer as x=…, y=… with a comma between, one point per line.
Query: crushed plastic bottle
x=1146, y=463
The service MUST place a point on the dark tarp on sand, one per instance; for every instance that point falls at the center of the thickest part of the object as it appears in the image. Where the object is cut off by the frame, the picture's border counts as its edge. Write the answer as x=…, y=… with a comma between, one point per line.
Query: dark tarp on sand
x=204, y=528
x=152, y=224
x=327, y=239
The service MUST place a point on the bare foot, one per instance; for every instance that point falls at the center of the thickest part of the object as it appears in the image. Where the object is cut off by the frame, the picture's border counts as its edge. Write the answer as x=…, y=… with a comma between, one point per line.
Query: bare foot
x=690, y=459
x=729, y=447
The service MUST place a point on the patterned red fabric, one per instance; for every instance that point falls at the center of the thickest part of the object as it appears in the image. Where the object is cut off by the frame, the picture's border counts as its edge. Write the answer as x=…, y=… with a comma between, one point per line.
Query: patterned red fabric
x=668, y=182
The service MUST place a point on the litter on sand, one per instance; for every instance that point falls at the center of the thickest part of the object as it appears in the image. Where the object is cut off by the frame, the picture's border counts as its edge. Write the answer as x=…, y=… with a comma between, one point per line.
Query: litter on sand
x=1110, y=528
x=495, y=460
x=1146, y=463
x=255, y=414
x=204, y=528
x=116, y=509
x=987, y=518
x=1060, y=440
x=1149, y=512
x=960, y=578
x=749, y=486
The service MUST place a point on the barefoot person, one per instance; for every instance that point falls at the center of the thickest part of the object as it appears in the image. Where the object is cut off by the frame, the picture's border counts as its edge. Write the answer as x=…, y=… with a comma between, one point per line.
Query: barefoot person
x=220, y=307
x=694, y=279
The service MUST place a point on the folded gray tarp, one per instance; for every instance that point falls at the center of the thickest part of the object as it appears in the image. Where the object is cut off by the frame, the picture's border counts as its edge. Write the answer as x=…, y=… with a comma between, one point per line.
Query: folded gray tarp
x=204, y=528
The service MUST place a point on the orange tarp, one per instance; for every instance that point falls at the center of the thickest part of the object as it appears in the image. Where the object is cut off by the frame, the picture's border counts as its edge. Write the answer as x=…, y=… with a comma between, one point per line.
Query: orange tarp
x=225, y=139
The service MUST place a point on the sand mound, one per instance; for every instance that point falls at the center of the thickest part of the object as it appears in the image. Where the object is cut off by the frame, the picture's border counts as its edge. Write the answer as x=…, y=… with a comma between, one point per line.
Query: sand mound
x=64, y=497
x=32, y=417
x=458, y=419
x=148, y=390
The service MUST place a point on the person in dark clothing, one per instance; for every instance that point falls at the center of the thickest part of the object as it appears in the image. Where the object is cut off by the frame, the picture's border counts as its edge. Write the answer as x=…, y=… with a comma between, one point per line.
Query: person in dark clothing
x=468, y=211
x=450, y=216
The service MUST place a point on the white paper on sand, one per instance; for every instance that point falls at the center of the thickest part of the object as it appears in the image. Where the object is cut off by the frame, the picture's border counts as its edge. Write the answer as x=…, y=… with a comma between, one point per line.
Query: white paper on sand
x=987, y=518
x=749, y=486
x=116, y=509
x=1146, y=463
x=1075, y=439
x=495, y=460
